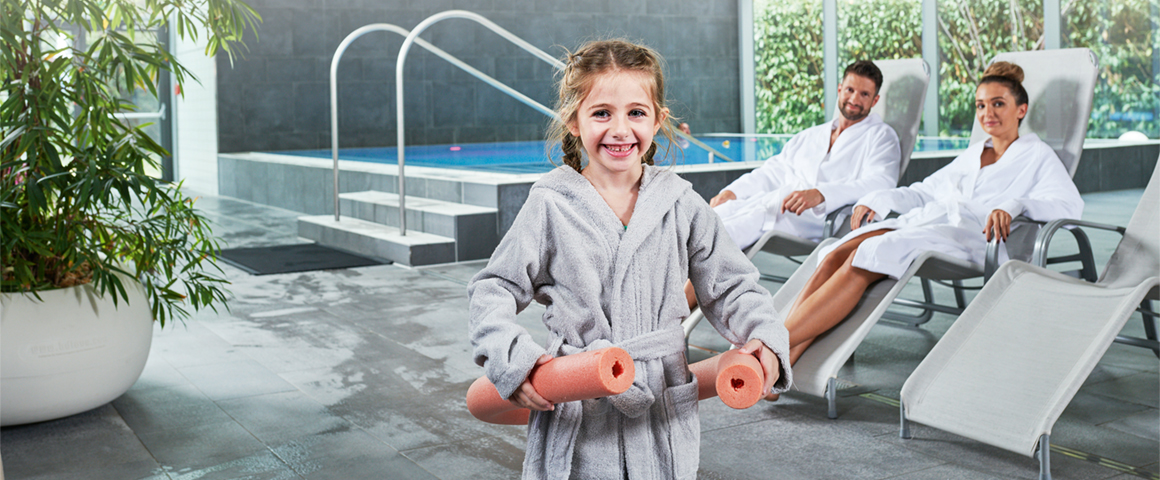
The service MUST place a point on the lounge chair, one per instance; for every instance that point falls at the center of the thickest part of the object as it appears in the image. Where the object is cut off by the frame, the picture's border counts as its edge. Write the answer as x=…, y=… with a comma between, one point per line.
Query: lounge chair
x=1007, y=368
x=1060, y=84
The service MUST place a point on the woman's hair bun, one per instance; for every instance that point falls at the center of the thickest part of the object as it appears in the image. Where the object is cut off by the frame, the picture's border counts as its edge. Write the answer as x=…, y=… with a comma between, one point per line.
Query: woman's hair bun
x=1005, y=70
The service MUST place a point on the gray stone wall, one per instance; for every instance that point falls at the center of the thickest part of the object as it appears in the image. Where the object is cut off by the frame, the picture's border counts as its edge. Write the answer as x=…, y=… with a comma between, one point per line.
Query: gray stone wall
x=277, y=96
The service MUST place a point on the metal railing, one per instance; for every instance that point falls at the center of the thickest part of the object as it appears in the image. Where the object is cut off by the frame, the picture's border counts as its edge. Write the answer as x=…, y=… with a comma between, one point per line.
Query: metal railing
x=402, y=59
x=412, y=37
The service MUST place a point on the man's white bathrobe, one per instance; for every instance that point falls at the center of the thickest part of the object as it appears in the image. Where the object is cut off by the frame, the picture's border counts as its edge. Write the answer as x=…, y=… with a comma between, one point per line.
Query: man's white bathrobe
x=605, y=285
x=947, y=211
x=865, y=158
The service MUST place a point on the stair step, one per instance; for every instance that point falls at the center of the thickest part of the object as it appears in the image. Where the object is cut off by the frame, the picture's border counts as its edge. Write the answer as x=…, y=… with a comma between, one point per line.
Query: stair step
x=377, y=240
x=475, y=228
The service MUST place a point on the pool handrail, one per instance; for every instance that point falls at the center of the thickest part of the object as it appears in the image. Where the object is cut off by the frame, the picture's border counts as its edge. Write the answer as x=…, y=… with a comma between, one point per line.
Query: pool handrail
x=375, y=27
x=413, y=37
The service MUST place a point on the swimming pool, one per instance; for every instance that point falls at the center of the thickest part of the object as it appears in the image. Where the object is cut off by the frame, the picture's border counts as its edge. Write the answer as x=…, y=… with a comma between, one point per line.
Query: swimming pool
x=530, y=157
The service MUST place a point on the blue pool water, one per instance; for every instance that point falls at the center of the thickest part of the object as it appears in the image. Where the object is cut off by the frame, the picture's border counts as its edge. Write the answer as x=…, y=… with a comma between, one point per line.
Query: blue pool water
x=531, y=157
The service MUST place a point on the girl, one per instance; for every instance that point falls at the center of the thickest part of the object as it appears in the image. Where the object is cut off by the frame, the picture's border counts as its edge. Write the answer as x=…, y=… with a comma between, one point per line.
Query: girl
x=954, y=211
x=606, y=245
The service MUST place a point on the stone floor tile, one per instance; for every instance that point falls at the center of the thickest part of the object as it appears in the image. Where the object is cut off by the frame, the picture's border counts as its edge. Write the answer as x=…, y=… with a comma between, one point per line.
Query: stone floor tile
x=223, y=381
x=282, y=417
x=96, y=444
x=477, y=459
x=202, y=446
x=156, y=409
x=348, y=455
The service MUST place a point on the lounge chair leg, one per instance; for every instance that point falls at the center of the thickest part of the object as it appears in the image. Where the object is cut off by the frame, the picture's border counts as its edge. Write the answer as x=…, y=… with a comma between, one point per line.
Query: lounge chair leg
x=904, y=424
x=1044, y=457
x=1149, y=322
x=960, y=299
x=832, y=397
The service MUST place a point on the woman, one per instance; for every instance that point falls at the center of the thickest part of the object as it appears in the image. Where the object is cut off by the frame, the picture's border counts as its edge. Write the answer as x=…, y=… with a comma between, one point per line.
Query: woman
x=955, y=211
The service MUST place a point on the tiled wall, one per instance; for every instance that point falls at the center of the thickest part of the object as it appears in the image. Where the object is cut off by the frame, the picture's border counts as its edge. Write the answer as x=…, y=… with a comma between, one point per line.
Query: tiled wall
x=277, y=96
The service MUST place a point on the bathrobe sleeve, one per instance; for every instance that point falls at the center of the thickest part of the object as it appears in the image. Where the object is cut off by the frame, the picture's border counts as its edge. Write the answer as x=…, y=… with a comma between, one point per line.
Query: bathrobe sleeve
x=771, y=175
x=916, y=195
x=503, y=289
x=728, y=292
x=878, y=171
x=1053, y=195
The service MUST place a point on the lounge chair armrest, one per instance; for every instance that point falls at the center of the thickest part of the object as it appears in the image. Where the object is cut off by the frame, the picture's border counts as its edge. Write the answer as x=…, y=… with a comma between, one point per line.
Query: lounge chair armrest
x=991, y=263
x=836, y=219
x=1043, y=240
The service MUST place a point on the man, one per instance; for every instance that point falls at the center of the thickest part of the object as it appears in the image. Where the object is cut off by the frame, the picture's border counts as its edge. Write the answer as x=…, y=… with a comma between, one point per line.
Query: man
x=821, y=169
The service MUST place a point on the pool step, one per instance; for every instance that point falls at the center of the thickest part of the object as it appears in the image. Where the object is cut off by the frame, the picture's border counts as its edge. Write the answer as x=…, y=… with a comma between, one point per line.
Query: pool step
x=377, y=240
x=474, y=228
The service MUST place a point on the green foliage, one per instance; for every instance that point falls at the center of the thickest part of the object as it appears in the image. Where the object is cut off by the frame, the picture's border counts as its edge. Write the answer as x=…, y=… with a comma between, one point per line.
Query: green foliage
x=788, y=50
x=1122, y=37
x=76, y=202
x=787, y=40
x=878, y=30
x=971, y=32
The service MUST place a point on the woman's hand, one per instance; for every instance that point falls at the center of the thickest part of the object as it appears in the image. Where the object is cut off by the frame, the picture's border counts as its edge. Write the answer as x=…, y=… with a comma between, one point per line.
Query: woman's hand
x=724, y=196
x=769, y=362
x=527, y=397
x=998, y=223
x=860, y=211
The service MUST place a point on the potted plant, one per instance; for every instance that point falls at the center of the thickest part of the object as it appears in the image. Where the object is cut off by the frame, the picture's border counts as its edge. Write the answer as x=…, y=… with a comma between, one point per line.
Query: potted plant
x=94, y=247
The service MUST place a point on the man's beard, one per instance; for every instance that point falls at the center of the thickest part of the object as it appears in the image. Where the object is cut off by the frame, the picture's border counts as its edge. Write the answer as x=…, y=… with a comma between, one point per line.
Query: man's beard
x=854, y=117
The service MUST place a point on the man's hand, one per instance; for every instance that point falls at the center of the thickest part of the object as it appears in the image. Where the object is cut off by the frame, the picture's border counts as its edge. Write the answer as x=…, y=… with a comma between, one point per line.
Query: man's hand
x=802, y=200
x=527, y=397
x=769, y=362
x=860, y=212
x=724, y=196
x=998, y=223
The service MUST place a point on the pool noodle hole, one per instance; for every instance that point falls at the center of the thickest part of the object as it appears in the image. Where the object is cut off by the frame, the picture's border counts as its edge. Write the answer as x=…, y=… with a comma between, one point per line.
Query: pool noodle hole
x=617, y=370
x=738, y=383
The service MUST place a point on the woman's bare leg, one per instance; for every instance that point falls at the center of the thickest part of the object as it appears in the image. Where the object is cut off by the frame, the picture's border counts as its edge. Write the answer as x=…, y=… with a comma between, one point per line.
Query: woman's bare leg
x=829, y=295
x=829, y=304
x=690, y=295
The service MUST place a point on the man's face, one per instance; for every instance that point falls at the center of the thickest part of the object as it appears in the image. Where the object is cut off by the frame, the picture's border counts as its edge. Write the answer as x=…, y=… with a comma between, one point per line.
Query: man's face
x=856, y=96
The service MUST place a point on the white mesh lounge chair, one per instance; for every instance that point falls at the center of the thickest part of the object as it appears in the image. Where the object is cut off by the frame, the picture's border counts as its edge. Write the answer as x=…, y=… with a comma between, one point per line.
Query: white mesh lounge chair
x=901, y=97
x=1059, y=81
x=997, y=378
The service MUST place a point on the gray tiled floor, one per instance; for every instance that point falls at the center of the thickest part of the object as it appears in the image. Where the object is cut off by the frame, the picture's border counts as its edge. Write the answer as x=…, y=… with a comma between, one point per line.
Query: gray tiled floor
x=361, y=374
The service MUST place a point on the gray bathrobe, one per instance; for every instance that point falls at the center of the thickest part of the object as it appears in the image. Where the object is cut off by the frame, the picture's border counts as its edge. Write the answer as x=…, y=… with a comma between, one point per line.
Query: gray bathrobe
x=604, y=285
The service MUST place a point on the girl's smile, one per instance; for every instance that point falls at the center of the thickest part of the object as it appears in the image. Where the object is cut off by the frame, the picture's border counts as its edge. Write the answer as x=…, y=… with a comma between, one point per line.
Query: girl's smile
x=616, y=123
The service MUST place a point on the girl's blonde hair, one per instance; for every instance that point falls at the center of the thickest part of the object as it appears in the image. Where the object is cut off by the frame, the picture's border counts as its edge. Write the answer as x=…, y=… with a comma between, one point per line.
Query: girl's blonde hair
x=580, y=73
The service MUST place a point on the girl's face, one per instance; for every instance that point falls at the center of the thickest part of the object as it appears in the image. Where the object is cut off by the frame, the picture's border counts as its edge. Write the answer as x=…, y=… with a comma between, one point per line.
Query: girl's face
x=616, y=122
x=996, y=110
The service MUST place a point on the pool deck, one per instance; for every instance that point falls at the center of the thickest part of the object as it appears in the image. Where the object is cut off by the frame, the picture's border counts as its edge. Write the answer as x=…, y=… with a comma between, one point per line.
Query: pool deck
x=361, y=373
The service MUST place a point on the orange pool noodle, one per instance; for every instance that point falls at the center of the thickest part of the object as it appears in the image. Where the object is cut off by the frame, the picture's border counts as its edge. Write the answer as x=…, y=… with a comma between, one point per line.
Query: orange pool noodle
x=585, y=375
x=734, y=376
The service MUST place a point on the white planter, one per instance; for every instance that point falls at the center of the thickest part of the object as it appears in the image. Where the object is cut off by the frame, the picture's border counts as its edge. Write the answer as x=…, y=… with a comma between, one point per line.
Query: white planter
x=71, y=352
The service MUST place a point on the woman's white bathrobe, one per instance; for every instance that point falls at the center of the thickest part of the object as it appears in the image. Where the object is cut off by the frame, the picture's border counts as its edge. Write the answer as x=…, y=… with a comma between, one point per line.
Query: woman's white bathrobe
x=947, y=211
x=604, y=285
x=864, y=159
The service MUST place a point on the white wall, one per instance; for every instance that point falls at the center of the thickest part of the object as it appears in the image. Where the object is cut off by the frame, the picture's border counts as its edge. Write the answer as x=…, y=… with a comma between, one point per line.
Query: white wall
x=195, y=119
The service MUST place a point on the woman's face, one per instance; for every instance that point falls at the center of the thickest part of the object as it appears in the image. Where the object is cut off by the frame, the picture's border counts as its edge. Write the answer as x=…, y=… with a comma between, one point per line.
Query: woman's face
x=996, y=110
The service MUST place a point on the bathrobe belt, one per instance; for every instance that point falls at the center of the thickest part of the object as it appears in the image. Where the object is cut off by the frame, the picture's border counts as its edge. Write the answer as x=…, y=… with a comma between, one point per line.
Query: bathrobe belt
x=643, y=349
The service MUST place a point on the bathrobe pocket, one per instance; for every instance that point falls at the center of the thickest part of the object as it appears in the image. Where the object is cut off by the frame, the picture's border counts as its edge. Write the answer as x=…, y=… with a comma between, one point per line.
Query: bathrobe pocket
x=684, y=428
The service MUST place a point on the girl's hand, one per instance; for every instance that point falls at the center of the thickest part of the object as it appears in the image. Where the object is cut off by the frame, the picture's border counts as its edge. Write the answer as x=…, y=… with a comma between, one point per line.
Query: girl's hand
x=998, y=223
x=769, y=362
x=861, y=211
x=527, y=397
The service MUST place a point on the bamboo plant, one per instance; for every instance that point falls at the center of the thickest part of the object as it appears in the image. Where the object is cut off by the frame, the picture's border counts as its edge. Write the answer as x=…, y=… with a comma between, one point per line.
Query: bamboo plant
x=79, y=204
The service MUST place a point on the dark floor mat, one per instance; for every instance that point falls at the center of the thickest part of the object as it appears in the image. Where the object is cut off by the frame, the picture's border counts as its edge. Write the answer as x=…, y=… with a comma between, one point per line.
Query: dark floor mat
x=292, y=258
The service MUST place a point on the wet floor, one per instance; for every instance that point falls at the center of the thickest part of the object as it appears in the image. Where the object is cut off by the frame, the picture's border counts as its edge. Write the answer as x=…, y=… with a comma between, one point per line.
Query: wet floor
x=361, y=373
